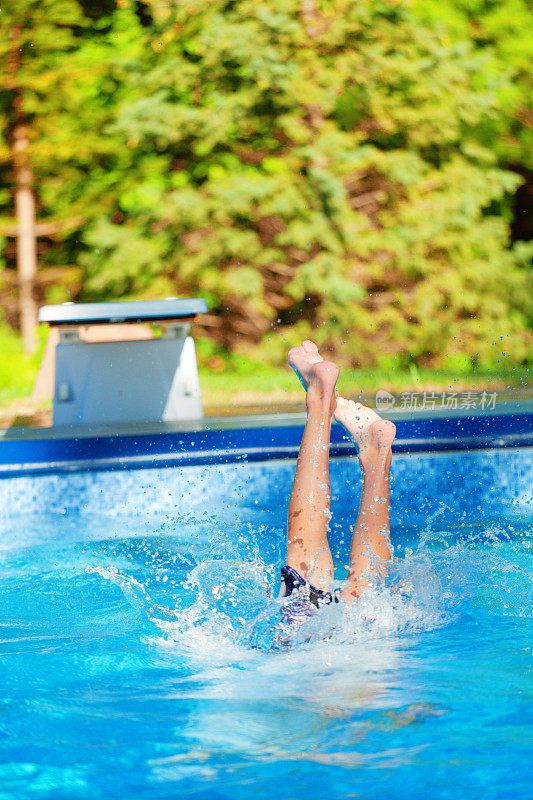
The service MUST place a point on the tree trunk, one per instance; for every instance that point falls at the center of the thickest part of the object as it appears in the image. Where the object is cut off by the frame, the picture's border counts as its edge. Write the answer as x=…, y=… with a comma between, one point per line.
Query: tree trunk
x=27, y=238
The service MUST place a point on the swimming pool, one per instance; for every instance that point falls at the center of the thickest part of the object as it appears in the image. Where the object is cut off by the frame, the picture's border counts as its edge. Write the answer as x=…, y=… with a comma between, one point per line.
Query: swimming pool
x=136, y=649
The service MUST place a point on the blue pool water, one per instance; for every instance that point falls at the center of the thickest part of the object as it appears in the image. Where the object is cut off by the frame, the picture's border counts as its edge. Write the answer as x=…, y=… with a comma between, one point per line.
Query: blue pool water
x=137, y=655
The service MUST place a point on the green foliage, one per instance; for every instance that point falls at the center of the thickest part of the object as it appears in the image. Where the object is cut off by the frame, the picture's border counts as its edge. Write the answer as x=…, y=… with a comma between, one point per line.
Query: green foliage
x=323, y=168
x=505, y=30
x=37, y=44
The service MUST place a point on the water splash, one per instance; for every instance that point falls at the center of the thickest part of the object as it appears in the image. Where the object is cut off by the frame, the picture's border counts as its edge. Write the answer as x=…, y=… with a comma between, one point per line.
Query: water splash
x=212, y=595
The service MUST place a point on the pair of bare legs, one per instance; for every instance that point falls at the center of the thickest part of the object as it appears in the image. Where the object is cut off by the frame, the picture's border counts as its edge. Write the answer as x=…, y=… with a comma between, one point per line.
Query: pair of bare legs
x=308, y=550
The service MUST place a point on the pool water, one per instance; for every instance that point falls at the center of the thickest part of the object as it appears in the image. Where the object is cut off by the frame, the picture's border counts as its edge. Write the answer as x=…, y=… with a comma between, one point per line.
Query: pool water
x=140, y=655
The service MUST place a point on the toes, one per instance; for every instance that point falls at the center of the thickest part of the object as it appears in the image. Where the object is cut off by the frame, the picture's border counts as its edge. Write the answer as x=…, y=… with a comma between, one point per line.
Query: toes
x=310, y=347
x=294, y=351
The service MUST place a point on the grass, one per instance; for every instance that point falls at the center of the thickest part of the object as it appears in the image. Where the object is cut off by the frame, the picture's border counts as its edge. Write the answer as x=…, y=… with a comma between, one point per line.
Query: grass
x=17, y=370
x=235, y=384
x=253, y=383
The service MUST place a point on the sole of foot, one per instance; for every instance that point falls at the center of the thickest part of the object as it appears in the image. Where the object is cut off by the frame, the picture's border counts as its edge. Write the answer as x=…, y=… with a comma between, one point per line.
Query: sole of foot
x=318, y=377
x=302, y=359
x=372, y=434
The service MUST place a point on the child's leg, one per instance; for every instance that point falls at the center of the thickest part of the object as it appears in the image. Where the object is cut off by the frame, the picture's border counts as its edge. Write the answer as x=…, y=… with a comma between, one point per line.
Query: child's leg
x=307, y=543
x=371, y=547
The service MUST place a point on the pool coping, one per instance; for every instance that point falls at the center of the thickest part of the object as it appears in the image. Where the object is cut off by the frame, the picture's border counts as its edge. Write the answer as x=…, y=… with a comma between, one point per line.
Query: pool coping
x=244, y=439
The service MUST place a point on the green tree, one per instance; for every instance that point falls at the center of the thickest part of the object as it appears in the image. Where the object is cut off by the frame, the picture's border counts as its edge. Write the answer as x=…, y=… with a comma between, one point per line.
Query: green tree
x=53, y=106
x=505, y=28
x=33, y=36
x=329, y=167
x=316, y=167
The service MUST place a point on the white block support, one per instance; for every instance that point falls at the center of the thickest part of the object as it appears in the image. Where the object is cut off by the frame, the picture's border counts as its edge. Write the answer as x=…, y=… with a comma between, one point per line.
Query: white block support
x=134, y=381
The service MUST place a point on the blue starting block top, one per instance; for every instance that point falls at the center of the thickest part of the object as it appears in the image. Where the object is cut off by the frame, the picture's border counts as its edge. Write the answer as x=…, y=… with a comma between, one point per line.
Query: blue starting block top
x=123, y=311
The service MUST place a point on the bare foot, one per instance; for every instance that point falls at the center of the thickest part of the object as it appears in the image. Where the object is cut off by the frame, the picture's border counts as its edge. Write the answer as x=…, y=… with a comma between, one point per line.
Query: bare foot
x=302, y=358
x=318, y=377
x=372, y=434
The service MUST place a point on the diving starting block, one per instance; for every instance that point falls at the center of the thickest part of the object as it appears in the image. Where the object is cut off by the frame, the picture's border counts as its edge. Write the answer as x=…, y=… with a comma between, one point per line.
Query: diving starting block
x=129, y=380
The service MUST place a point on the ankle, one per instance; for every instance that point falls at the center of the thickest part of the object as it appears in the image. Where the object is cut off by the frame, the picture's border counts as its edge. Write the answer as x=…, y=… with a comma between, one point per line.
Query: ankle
x=375, y=466
x=320, y=401
x=375, y=460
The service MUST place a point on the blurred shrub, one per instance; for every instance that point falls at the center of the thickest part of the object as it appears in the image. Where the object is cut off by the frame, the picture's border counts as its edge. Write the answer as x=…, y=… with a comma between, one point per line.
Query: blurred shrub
x=325, y=168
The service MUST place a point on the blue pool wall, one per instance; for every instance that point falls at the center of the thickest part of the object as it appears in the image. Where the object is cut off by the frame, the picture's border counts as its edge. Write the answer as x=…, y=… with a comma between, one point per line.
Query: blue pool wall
x=224, y=441
x=469, y=486
x=446, y=471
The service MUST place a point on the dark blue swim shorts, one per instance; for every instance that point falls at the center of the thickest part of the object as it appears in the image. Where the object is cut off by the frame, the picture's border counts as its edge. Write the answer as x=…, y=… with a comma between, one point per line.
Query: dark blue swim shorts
x=292, y=581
